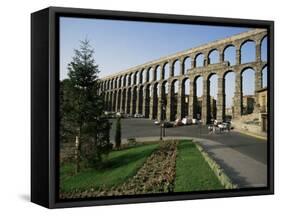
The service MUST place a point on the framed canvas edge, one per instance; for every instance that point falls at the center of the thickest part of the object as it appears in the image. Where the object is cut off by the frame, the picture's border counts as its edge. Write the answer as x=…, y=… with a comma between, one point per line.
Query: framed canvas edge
x=53, y=68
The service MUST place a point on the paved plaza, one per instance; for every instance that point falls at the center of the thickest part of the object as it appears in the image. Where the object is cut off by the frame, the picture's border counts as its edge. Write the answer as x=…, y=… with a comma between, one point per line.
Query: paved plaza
x=243, y=157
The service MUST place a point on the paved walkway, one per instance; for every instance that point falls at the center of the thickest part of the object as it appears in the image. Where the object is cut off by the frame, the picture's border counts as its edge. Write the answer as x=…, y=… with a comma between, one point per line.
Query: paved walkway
x=242, y=169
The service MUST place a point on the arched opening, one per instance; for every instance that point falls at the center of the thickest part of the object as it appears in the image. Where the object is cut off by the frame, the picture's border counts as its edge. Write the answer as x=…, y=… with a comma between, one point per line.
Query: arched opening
x=176, y=68
x=186, y=92
x=248, y=90
x=134, y=100
x=264, y=76
x=123, y=101
x=164, y=100
x=198, y=97
x=120, y=82
x=129, y=100
x=136, y=74
x=141, y=77
x=114, y=100
x=147, y=101
x=214, y=57
x=124, y=81
x=264, y=49
x=155, y=97
x=229, y=54
x=140, y=92
x=110, y=100
x=136, y=78
x=150, y=74
x=248, y=52
x=212, y=92
x=129, y=79
x=229, y=89
x=174, y=99
x=166, y=71
x=187, y=64
x=199, y=60
x=119, y=101
x=157, y=73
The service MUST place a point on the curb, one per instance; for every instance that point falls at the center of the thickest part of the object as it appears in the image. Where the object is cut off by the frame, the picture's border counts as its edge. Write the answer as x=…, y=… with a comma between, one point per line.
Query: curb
x=252, y=135
x=219, y=172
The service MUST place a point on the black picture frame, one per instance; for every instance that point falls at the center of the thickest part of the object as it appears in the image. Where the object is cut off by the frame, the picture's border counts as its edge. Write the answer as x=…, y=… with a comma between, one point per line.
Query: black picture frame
x=44, y=104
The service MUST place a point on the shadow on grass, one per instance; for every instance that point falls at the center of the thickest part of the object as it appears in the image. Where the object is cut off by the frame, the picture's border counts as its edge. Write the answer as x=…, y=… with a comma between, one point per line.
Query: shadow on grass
x=124, y=159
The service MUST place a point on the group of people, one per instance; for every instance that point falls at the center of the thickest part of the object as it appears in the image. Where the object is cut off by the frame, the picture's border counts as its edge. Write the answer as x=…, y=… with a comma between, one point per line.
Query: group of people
x=217, y=126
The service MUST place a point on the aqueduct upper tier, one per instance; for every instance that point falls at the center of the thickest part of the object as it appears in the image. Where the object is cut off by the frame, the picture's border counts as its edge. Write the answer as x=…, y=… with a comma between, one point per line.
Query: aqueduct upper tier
x=149, y=88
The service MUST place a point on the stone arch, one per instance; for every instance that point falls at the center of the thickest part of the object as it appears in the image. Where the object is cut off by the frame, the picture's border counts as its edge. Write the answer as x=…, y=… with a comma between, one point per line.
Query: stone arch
x=140, y=98
x=264, y=76
x=130, y=79
x=134, y=100
x=154, y=98
x=174, y=99
x=264, y=43
x=229, y=54
x=199, y=60
x=141, y=76
x=149, y=74
x=212, y=92
x=157, y=73
x=176, y=68
x=213, y=56
x=164, y=97
x=124, y=81
x=110, y=101
x=228, y=96
x=198, y=90
x=165, y=71
x=248, y=51
x=136, y=77
x=147, y=100
x=129, y=97
x=120, y=82
x=248, y=90
x=116, y=82
x=185, y=100
x=114, y=107
x=147, y=77
x=119, y=100
x=187, y=64
x=123, y=103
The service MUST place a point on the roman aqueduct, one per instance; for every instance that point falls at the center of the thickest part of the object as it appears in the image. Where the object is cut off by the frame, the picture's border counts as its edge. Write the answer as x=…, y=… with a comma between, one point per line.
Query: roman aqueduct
x=149, y=88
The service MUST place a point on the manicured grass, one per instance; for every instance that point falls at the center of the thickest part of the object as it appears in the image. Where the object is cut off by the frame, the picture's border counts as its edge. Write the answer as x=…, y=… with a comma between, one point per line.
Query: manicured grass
x=192, y=171
x=118, y=167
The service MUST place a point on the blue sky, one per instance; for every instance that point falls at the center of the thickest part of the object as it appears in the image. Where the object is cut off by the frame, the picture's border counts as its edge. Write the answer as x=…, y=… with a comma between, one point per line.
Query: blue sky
x=119, y=45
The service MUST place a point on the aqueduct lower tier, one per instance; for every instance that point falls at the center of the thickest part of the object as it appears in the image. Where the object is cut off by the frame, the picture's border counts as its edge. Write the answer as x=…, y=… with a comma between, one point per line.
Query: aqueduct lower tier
x=146, y=90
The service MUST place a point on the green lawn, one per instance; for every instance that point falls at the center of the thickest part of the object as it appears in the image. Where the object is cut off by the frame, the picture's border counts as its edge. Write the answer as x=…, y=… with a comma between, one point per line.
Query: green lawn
x=119, y=166
x=192, y=171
